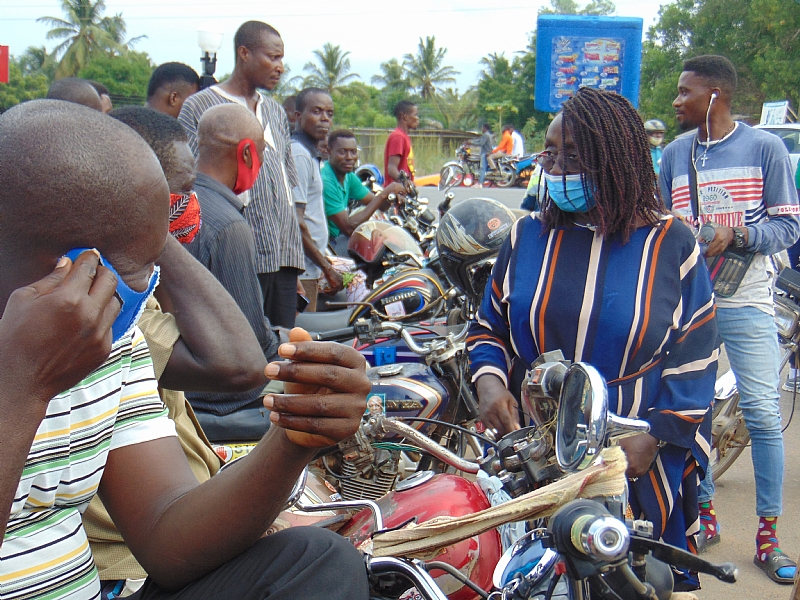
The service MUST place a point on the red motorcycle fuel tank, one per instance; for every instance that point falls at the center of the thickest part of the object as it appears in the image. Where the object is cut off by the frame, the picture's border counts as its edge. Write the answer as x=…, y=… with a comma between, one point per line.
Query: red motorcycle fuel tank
x=424, y=496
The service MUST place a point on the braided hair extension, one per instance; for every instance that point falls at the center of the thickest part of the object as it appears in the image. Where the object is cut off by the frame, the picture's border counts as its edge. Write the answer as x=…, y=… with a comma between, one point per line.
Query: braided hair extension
x=616, y=167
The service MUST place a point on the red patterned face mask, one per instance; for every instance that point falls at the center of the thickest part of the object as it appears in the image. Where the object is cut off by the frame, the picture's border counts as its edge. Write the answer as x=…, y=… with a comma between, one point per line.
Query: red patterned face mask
x=184, y=216
x=246, y=176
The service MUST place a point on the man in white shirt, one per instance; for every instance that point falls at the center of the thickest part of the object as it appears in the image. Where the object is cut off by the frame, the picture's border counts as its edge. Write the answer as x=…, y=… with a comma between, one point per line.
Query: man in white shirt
x=519, y=144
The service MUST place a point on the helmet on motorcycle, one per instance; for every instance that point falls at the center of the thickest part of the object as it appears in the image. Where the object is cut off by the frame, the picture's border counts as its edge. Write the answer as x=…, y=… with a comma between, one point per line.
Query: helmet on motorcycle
x=364, y=172
x=468, y=239
x=654, y=126
x=372, y=239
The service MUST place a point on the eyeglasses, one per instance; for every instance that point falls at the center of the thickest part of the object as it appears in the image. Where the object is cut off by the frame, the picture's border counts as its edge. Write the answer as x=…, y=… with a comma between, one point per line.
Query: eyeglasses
x=570, y=163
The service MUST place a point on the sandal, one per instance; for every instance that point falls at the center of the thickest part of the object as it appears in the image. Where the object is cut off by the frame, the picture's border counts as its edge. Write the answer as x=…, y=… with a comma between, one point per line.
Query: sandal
x=776, y=561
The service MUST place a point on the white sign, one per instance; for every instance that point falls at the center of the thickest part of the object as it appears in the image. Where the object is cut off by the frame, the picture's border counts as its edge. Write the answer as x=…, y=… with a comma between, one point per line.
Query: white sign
x=774, y=113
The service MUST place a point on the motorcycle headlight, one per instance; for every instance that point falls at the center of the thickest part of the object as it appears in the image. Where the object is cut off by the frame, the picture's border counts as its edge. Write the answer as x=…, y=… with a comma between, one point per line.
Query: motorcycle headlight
x=786, y=317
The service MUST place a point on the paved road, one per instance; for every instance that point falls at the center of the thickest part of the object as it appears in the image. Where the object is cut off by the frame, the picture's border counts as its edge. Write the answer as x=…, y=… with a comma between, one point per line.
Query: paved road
x=735, y=500
x=511, y=197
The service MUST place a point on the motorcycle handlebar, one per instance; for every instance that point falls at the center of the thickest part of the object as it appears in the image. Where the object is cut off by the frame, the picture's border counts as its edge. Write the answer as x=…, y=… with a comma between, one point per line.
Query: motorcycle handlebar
x=430, y=446
x=335, y=335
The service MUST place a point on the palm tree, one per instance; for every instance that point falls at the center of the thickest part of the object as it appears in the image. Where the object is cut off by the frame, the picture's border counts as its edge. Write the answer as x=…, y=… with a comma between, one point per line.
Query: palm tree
x=458, y=111
x=496, y=65
x=288, y=85
x=83, y=34
x=394, y=76
x=36, y=60
x=333, y=70
x=425, y=70
x=116, y=28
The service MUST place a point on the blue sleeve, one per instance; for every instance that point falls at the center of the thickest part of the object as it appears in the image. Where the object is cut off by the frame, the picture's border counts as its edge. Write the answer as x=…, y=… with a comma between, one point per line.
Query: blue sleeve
x=686, y=387
x=665, y=176
x=489, y=335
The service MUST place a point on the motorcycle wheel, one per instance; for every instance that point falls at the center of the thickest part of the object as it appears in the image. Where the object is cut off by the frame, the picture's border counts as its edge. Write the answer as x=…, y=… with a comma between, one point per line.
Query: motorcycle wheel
x=729, y=436
x=506, y=177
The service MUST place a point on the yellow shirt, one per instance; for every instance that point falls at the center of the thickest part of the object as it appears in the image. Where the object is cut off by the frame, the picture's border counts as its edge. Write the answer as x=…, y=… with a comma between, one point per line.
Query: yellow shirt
x=111, y=555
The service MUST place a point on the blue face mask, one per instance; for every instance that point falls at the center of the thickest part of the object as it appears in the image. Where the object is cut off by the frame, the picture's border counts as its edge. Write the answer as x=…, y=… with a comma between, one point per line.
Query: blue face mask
x=132, y=301
x=574, y=200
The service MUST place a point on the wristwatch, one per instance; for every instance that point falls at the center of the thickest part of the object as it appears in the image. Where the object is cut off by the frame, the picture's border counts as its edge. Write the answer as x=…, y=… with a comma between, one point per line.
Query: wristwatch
x=738, y=237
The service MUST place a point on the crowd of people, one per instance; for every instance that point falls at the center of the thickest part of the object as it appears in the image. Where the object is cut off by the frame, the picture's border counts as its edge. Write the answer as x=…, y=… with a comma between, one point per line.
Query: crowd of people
x=226, y=201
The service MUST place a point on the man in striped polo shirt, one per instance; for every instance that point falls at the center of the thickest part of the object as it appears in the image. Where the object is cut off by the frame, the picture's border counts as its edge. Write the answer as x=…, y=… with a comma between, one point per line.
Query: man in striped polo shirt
x=738, y=179
x=269, y=207
x=79, y=408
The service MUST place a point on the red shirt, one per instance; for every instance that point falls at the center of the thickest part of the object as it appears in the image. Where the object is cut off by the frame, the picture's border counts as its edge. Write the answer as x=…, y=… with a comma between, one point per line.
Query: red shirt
x=398, y=144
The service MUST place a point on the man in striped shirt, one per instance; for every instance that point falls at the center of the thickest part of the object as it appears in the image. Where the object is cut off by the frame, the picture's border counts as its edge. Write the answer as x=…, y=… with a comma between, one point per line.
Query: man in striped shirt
x=79, y=407
x=269, y=207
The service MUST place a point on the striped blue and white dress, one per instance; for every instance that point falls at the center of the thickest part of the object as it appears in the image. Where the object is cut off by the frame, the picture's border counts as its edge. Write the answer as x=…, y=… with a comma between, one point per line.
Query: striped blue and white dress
x=643, y=314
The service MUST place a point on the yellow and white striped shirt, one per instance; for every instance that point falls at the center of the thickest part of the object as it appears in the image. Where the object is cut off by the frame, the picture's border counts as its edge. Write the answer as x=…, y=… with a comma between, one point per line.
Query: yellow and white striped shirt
x=45, y=553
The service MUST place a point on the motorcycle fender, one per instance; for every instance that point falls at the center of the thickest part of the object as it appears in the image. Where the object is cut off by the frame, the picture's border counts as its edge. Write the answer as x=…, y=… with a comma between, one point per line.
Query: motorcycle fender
x=725, y=387
x=442, y=495
x=452, y=163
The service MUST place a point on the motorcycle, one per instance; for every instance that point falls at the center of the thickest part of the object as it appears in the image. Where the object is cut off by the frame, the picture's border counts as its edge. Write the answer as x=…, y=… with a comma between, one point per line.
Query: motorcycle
x=729, y=433
x=601, y=554
x=465, y=170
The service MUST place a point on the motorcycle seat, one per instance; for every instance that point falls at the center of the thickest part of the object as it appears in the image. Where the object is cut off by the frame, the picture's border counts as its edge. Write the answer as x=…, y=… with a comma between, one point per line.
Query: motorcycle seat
x=320, y=322
x=248, y=424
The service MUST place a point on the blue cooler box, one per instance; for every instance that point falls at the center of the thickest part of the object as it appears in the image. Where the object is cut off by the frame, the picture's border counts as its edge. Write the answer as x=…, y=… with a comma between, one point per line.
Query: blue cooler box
x=577, y=51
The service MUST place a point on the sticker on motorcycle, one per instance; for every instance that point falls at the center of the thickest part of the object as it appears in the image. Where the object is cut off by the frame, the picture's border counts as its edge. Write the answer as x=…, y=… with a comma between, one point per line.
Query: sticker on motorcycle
x=395, y=309
x=376, y=405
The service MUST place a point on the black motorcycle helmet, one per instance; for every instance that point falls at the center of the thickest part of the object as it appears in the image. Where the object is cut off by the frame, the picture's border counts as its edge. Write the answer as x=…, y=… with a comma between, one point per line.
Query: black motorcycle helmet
x=468, y=239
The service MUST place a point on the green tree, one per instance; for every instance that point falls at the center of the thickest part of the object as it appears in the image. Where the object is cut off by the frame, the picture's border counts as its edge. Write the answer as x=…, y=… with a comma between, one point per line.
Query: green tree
x=126, y=75
x=83, y=33
x=393, y=77
x=426, y=69
x=571, y=7
x=21, y=87
x=36, y=60
x=758, y=36
x=289, y=85
x=331, y=71
x=456, y=111
x=116, y=28
x=358, y=105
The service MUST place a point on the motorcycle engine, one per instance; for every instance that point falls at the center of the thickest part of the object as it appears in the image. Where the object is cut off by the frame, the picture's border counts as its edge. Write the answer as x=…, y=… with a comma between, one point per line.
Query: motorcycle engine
x=364, y=471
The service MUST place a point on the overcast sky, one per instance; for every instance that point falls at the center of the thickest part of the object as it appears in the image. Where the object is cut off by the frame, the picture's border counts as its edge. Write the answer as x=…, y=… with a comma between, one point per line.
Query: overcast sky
x=372, y=31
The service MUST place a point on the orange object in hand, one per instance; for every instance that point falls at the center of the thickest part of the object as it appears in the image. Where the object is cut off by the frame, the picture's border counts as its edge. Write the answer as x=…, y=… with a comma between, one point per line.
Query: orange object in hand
x=308, y=440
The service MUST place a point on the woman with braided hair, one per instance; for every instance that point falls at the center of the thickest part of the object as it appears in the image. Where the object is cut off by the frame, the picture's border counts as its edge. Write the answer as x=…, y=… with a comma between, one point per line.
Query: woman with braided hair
x=606, y=275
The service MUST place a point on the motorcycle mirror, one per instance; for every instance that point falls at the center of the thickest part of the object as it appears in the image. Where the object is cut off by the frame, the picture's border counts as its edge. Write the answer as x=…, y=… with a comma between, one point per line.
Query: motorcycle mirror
x=584, y=424
x=528, y=557
x=582, y=417
x=447, y=179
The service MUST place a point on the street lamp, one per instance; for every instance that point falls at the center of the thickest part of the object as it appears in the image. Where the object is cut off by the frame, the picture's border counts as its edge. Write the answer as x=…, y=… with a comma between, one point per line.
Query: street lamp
x=209, y=42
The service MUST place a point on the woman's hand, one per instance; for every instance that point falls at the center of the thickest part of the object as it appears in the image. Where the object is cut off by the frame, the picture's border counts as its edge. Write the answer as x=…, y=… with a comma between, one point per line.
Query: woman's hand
x=640, y=450
x=498, y=407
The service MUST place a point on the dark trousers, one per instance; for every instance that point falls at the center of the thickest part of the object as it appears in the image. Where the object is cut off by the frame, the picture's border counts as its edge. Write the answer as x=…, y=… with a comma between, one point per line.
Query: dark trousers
x=302, y=562
x=280, y=296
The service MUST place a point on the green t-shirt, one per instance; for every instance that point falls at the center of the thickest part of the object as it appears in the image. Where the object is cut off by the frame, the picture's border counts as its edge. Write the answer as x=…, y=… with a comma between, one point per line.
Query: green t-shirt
x=337, y=194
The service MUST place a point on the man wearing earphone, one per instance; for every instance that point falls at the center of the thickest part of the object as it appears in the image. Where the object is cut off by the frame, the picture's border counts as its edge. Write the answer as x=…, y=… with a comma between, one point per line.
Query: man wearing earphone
x=740, y=180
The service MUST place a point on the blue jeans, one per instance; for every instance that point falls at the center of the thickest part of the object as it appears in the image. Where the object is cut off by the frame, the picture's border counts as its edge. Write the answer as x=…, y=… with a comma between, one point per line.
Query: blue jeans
x=484, y=167
x=751, y=342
